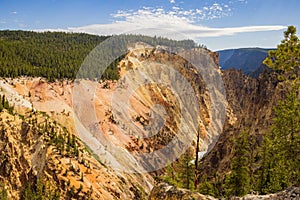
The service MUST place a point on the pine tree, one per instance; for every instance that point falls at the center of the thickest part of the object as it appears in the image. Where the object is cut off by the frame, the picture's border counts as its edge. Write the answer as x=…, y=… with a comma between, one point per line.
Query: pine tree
x=3, y=192
x=185, y=171
x=280, y=153
x=287, y=55
x=282, y=147
x=1, y=105
x=206, y=187
x=181, y=172
x=238, y=182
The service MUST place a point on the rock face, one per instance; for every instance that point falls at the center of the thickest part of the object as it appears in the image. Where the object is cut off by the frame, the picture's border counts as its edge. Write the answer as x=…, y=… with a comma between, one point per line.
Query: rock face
x=164, y=191
x=292, y=193
x=168, y=89
x=35, y=150
x=25, y=155
x=18, y=147
x=250, y=107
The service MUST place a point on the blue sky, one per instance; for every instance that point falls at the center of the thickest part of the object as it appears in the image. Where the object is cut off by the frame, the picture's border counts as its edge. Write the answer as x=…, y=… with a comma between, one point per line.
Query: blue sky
x=219, y=24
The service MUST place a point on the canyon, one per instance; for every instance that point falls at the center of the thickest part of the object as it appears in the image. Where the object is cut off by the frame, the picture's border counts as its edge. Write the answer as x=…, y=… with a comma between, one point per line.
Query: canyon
x=117, y=149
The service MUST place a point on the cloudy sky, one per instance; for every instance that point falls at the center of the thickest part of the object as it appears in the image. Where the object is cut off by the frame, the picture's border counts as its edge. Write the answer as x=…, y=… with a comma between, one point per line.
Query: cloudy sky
x=219, y=24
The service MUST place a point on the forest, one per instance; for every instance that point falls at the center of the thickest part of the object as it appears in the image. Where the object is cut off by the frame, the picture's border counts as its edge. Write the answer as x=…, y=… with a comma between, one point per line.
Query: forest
x=59, y=55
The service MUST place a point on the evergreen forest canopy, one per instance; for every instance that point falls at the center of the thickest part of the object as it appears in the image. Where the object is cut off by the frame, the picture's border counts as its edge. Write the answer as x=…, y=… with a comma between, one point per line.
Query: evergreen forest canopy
x=59, y=55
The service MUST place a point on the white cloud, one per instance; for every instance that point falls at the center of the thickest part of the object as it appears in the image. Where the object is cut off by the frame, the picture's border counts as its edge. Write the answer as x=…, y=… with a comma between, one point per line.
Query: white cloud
x=172, y=1
x=193, y=15
x=243, y=1
x=179, y=29
x=14, y=12
x=176, y=23
x=22, y=25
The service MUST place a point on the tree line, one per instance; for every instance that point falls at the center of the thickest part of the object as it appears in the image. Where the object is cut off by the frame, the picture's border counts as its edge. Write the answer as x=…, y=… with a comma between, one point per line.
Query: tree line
x=59, y=55
x=53, y=55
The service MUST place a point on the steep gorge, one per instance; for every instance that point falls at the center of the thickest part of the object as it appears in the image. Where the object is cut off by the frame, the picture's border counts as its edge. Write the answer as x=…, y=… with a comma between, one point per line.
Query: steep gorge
x=252, y=102
x=250, y=107
x=80, y=176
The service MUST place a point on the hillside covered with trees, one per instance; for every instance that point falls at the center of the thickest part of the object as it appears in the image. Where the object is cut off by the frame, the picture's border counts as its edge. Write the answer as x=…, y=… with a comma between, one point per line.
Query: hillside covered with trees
x=50, y=55
x=249, y=60
x=59, y=55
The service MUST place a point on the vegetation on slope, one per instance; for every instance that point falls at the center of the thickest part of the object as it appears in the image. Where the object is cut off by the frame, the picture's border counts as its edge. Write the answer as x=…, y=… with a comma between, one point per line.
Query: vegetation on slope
x=4, y=104
x=249, y=60
x=24, y=144
x=59, y=55
x=286, y=57
x=264, y=167
x=267, y=167
x=50, y=55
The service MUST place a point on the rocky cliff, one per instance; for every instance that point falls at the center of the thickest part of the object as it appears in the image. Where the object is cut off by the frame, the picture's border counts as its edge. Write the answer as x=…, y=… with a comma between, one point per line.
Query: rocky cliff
x=251, y=102
x=154, y=112
x=40, y=143
x=40, y=157
x=164, y=191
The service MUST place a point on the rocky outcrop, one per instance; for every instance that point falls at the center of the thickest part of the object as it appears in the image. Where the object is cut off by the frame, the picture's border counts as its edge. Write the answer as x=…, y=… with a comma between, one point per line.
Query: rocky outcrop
x=163, y=191
x=35, y=150
x=292, y=193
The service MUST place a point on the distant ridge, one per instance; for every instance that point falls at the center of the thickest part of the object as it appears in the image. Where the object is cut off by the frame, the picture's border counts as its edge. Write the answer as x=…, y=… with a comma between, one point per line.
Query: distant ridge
x=249, y=60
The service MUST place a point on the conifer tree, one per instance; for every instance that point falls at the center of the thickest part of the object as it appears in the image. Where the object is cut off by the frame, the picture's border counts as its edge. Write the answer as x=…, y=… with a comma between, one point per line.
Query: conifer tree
x=280, y=152
x=238, y=182
x=287, y=55
x=281, y=162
